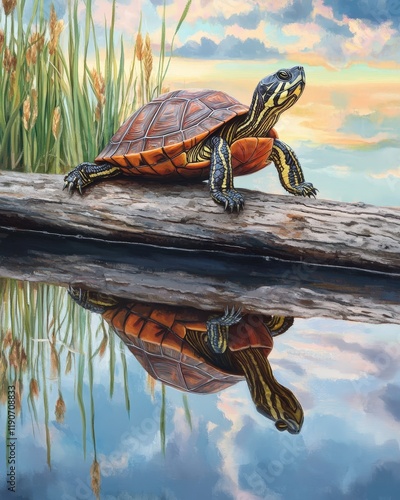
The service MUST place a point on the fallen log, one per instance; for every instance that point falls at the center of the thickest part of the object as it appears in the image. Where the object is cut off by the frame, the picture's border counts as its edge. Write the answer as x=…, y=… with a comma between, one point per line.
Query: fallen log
x=323, y=232
x=201, y=279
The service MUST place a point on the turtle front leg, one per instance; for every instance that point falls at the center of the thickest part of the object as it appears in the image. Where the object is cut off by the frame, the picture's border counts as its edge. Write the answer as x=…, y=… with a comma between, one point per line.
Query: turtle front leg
x=221, y=176
x=289, y=169
x=86, y=173
x=218, y=329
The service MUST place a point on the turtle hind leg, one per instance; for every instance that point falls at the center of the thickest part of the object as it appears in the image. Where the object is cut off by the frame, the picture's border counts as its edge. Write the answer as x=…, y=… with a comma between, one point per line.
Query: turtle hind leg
x=86, y=173
x=221, y=176
x=290, y=172
x=93, y=301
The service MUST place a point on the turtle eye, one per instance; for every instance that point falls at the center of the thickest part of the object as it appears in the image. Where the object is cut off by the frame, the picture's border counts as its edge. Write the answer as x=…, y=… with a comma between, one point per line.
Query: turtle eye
x=281, y=425
x=284, y=75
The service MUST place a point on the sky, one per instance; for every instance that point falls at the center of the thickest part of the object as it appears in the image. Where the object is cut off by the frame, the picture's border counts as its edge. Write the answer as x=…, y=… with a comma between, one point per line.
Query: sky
x=344, y=128
x=327, y=33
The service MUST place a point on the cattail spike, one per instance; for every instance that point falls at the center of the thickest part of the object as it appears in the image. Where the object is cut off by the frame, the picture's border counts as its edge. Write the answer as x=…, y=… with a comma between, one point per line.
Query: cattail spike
x=36, y=43
x=56, y=123
x=60, y=409
x=26, y=113
x=139, y=47
x=95, y=478
x=7, y=341
x=148, y=64
x=34, y=388
x=9, y=6
x=56, y=27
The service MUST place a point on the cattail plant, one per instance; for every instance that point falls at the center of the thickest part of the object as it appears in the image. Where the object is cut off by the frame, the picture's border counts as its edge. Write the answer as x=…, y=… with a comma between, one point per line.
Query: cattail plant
x=79, y=109
x=8, y=338
x=95, y=477
x=54, y=362
x=3, y=364
x=9, y=61
x=139, y=47
x=36, y=43
x=56, y=26
x=148, y=66
x=60, y=409
x=139, y=57
x=56, y=123
x=34, y=388
x=30, y=110
x=99, y=87
x=9, y=6
x=103, y=346
x=151, y=386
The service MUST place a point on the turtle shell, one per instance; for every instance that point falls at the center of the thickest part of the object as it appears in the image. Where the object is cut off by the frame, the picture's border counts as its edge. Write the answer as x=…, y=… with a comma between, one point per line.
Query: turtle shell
x=156, y=336
x=154, y=140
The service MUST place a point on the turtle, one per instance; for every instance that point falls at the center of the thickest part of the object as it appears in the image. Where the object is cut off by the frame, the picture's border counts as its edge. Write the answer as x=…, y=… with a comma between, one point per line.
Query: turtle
x=194, y=134
x=195, y=351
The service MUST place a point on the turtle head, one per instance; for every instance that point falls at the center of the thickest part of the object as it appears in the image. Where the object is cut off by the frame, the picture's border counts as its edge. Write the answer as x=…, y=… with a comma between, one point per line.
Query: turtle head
x=283, y=88
x=272, y=400
x=283, y=408
x=93, y=301
x=273, y=95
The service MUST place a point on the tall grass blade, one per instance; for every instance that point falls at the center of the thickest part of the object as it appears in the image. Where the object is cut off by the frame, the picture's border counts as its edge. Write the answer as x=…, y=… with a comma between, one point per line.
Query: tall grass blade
x=187, y=410
x=125, y=372
x=163, y=418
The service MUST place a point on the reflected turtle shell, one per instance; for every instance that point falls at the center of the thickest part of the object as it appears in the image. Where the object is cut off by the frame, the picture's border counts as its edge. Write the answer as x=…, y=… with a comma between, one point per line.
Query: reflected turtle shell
x=157, y=338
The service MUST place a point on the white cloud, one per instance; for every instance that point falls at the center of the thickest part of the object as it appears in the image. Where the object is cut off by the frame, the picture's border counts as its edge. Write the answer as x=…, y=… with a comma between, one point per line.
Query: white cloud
x=308, y=34
x=244, y=33
x=367, y=41
x=391, y=172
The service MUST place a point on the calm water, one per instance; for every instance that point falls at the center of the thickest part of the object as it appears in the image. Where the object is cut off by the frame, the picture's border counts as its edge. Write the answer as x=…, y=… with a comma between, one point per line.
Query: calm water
x=95, y=402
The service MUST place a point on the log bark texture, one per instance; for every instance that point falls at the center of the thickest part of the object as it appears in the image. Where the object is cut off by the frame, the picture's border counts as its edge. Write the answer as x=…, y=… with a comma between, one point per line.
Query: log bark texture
x=202, y=279
x=324, y=232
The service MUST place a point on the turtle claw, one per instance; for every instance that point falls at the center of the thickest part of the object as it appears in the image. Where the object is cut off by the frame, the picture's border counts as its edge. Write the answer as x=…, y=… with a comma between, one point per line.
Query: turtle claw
x=73, y=180
x=79, y=177
x=230, y=198
x=306, y=189
x=218, y=329
x=231, y=317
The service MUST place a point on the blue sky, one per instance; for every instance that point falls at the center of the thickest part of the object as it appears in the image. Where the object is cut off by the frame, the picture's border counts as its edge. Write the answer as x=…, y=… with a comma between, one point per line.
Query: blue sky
x=321, y=32
x=325, y=32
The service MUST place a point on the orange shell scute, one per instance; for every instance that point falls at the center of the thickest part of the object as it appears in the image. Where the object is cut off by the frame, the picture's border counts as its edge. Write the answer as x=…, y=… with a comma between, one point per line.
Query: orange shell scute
x=173, y=122
x=250, y=331
x=250, y=154
x=156, y=336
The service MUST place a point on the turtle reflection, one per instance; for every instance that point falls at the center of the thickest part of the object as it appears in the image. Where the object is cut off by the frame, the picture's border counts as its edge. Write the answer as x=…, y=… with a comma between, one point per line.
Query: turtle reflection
x=194, y=351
